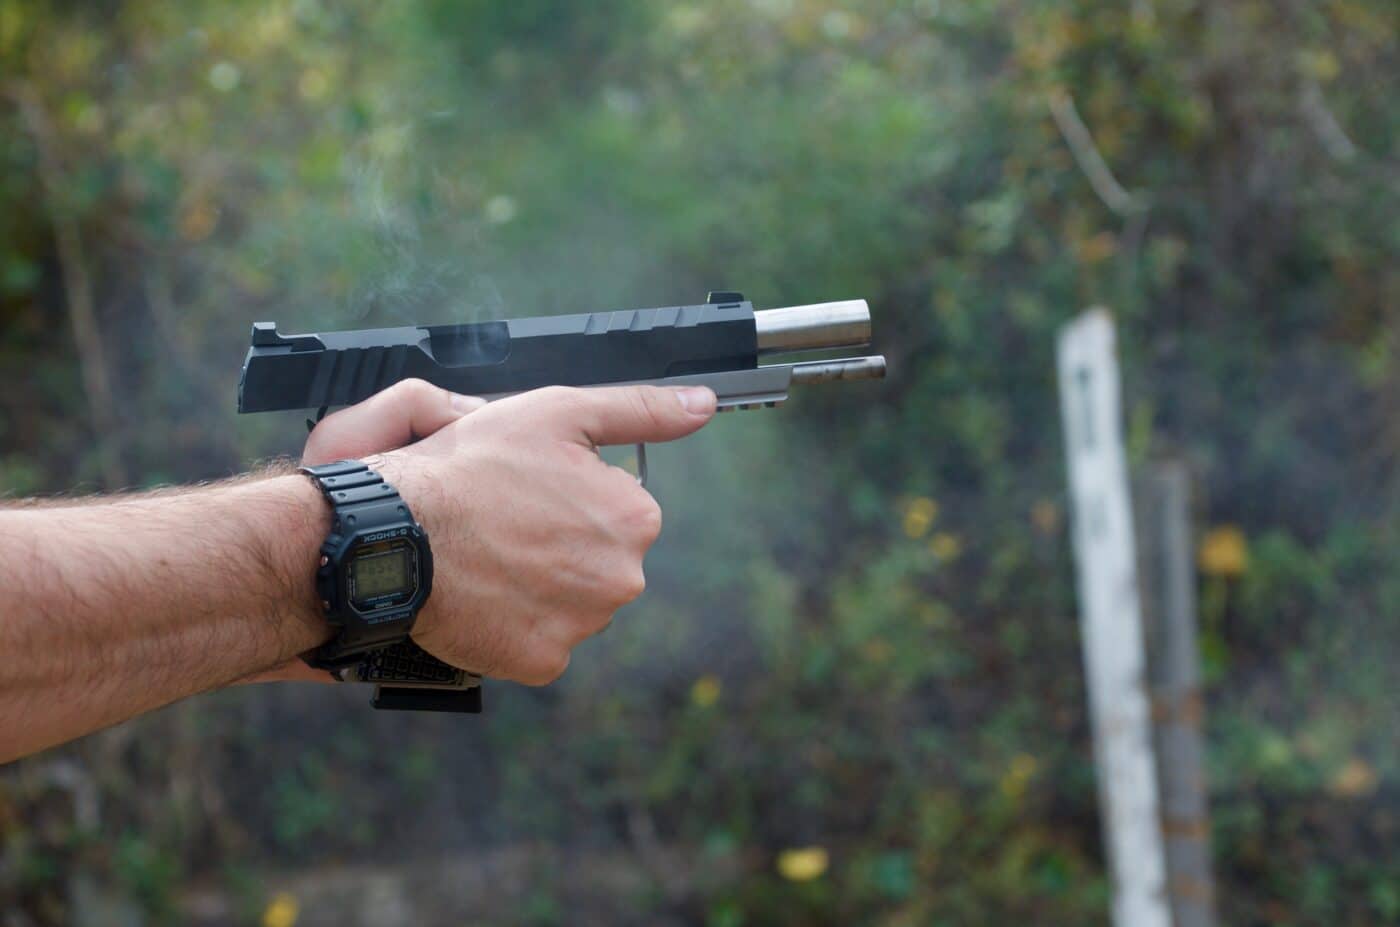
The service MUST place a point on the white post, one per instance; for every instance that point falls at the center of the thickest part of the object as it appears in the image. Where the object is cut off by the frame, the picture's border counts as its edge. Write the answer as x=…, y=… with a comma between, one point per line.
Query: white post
x=1111, y=619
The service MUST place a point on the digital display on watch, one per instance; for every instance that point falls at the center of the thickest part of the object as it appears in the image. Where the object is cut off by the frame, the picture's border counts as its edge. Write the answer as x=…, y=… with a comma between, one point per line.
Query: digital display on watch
x=380, y=572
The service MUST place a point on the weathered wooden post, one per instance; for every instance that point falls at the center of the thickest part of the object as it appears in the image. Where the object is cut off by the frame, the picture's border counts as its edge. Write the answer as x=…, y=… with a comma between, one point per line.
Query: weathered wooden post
x=1111, y=619
x=1173, y=660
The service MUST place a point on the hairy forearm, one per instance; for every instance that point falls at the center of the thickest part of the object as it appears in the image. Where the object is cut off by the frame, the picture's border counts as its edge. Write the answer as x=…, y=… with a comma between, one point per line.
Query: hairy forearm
x=116, y=607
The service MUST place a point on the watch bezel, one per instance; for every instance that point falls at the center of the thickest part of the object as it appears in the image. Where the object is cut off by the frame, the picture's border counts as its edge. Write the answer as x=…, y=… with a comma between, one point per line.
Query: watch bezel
x=333, y=578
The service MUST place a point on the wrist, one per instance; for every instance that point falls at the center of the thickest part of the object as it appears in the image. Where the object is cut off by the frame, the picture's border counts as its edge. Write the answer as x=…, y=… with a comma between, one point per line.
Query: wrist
x=290, y=549
x=375, y=567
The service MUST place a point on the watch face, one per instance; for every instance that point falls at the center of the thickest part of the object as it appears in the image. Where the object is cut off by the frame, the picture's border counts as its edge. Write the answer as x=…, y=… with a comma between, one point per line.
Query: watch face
x=382, y=575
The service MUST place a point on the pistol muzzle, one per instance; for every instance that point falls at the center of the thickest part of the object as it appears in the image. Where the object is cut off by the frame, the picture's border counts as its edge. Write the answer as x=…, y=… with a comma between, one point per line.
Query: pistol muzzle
x=849, y=368
x=810, y=328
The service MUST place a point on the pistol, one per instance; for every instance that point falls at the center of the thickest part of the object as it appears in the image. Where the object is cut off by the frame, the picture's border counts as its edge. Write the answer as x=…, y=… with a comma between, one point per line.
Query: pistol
x=723, y=343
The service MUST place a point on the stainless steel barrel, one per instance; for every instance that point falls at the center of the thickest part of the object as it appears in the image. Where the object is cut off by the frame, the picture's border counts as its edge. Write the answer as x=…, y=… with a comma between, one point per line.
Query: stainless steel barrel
x=809, y=328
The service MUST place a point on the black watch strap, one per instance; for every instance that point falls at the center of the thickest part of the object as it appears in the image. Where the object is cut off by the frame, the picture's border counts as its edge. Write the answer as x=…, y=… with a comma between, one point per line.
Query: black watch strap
x=347, y=483
x=359, y=498
x=405, y=677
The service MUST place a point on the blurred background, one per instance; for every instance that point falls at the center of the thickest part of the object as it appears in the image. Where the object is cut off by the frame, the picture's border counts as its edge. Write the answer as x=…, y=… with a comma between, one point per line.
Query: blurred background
x=853, y=693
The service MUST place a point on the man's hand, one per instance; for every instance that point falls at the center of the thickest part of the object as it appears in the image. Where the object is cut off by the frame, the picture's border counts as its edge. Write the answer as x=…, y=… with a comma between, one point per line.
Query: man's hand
x=536, y=541
x=405, y=412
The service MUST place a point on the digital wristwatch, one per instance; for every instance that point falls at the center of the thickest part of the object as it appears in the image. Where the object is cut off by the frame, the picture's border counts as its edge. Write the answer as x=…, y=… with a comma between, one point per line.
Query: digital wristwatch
x=375, y=573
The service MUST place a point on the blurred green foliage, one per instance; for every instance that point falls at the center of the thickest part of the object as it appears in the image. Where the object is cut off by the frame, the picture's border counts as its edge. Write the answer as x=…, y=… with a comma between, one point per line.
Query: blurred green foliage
x=860, y=634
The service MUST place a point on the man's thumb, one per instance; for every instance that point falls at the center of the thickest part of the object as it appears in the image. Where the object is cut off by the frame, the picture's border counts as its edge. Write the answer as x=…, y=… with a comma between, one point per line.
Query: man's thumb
x=405, y=412
x=638, y=414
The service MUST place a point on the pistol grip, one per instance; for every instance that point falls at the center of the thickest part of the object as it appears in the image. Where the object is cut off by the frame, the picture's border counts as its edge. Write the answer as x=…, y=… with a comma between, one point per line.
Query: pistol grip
x=399, y=698
x=408, y=678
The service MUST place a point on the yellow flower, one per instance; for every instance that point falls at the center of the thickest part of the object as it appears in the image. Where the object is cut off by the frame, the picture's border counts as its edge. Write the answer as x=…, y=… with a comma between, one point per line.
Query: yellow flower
x=1353, y=780
x=919, y=515
x=1018, y=775
x=1224, y=552
x=945, y=546
x=282, y=911
x=803, y=864
x=706, y=691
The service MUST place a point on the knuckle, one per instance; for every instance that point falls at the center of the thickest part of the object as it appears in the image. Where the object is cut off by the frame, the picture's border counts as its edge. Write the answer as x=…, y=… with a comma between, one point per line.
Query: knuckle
x=568, y=401
x=637, y=513
x=547, y=668
x=588, y=619
x=416, y=390
x=630, y=584
x=648, y=517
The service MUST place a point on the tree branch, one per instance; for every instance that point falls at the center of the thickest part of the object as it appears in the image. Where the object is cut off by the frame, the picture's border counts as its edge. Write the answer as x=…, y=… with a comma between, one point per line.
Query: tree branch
x=1086, y=154
x=77, y=284
x=1324, y=124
